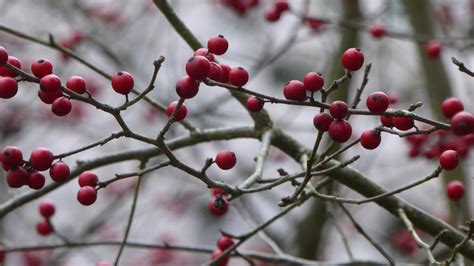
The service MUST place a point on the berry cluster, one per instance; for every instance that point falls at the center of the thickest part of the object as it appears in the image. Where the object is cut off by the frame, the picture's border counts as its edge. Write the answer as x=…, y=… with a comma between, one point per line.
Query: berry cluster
x=273, y=14
x=47, y=209
x=240, y=6
x=71, y=42
x=87, y=193
x=222, y=244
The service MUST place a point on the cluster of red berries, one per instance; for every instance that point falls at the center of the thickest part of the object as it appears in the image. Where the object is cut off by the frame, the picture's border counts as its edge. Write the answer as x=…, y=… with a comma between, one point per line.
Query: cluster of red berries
x=87, y=193
x=273, y=14
x=22, y=172
x=222, y=244
x=47, y=209
x=240, y=6
x=71, y=42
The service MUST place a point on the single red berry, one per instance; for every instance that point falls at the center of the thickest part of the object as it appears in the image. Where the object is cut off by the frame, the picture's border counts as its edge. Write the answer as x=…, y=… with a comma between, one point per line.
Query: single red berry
x=377, y=30
x=217, y=45
x=272, y=14
x=41, y=159
x=88, y=178
x=403, y=123
x=455, y=190
x=8, y=87
x=41, y=68
x=3, y=55
x=5, y=72
x=12, y=156
x=449, y=160
x=225, y=72
x=226, y=160
x=462, y=123
x=198, y=67
x=216, y=72
x=49, y=97
x=17, y=177
x=238, y=76
x=218, y=205
x=386, y=121
x=313, y=81
x=377, y=102
x=352, y=59
x=44, y=228
x=61, y=106
x=255, y=104
x=224, y=242
x=205, y=52
x=36, y=180
x=59, y=172
x=123, y=82
x=322, y=121
x=282, y=5
x=217, y=191
x=50, y=83
x=294, y=90
x=87, y=195
x=370, y=139
x=182, y=112
x=338, y=109
x=340, y=130
x=433, y=49
x=186, y=87
x=76, y=84
x=46, y=208
x=216, y=254
x=451, y=106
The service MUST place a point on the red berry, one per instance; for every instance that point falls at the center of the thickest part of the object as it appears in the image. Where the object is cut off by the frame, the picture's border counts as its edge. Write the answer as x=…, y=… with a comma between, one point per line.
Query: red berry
x=451, y=106
x=449, y=160
x=88, y=178
x=370, y=139
x=50, y=83
x=272, y=14
x=225, y=72
x=462, y=123
x=183, y=111
x=41, y=159
x=87, y=195
x=455, y=190
x=340, y=130
x=377, y=102
x=377, y=30
x=122, y=82
x=59, y=172
x=17, y=177
x=198, y=67
x=186, y=87
x=44, y=228
x=322, y=121
x=282, y=5
x=217, y=45
x=36, y=180
x=46, y=208
x=2, y=253
x=386, y=121
x=238, y=76
x=216, y=254
x=352, y=59
x=8, y=87
x=41, y=68
x=3, y=55
x=61, y=106
x=294, y=90
x=49, y=97
x=338, y=109
x=218, y=205
x=4, y=71
x=12, y=156
x=433, y=49
x=403, y=123
x=224, y=242
x=255, y=104
x=217, y=191
x=226, y=160
x=216, y=72
x=313, y=81
x=204, y=52
x=76, y=84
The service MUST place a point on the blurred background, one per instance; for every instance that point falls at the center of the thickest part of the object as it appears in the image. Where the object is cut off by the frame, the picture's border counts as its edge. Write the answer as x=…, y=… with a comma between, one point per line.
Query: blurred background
x=129, y=35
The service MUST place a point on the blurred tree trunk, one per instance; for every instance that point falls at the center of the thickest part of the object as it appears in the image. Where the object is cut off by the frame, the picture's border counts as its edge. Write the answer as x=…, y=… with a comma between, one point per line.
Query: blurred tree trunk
x=309, y=235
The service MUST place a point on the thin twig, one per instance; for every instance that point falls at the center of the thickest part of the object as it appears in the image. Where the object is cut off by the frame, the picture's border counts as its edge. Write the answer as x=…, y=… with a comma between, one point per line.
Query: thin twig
x=456, y=248
x=90, y=146
x=462, y=67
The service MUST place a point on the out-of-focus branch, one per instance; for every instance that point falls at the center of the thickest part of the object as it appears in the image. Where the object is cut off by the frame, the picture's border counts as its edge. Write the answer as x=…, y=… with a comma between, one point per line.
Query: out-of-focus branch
x=462, y=67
